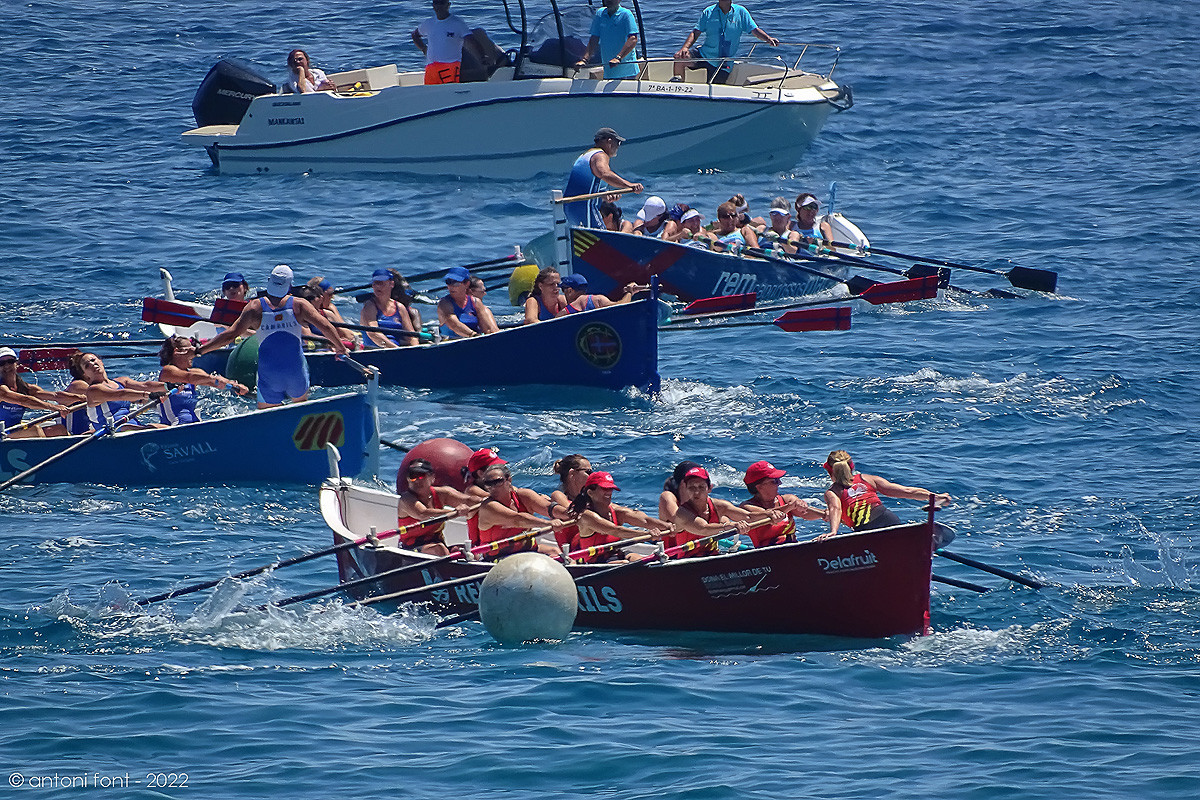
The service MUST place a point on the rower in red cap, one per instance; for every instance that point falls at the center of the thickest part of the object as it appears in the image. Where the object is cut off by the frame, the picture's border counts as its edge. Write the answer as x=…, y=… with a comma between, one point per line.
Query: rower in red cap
x=601, y=521
x=762, y=479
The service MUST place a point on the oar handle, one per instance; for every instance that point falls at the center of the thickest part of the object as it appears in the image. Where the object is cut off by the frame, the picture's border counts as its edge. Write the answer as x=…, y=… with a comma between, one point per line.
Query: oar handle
x=592, y=196
x=29, y=423
x=597, y=549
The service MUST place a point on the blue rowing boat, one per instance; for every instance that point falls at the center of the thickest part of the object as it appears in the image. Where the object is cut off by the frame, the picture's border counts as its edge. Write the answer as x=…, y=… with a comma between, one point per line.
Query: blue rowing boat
x=275, y=445
x=610, y=348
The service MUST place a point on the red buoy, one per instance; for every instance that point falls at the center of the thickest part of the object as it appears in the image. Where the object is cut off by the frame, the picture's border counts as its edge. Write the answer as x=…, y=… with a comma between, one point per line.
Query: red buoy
x=448, y=457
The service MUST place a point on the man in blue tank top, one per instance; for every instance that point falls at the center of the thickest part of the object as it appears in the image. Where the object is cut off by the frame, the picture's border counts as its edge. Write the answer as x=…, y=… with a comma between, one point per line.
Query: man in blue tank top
x=277, y=317
x=589, y=171
x=722, y=25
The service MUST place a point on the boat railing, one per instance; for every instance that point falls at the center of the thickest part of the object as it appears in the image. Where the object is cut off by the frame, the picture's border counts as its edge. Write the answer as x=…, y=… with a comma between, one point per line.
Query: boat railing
x=753, y=70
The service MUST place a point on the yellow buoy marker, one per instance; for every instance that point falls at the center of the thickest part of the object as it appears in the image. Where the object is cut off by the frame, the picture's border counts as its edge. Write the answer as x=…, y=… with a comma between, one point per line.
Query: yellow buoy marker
x=528, y=596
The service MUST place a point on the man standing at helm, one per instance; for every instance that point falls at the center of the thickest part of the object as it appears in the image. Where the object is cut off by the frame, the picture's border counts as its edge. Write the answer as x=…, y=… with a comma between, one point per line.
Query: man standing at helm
x=589, y=171
x=282, y=370
x=445, y=33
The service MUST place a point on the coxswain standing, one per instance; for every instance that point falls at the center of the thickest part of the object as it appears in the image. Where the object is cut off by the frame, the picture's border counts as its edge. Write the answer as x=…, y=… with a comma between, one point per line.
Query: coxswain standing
x=591, y=169
x=853, y=499
x=278, y=317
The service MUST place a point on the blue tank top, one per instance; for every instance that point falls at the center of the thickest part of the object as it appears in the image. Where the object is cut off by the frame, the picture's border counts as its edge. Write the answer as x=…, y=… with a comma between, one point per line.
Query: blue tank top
x=733, y=238
x=11, y=414
x=279, y=344
x=466, y=315
x=543, y=312
x=584, y=214
x=180, y=408
x=95, y=418
x=589, y=305
x=391, y=321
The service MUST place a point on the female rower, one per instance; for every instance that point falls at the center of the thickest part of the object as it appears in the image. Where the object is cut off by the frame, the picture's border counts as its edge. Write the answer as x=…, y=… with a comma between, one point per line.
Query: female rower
x=601, y=521
x=545, y=301
x=779, y=232
x=477, y=464
x=383, y=312
x=743, y=211
x=234, y=286
x=572, y=472
x=508, y=511
x=176, y=356
x=668, y=501
x=806, y=224
x=575, y=290
x=612, y=215
x=421, y=500
x=476, y=287
x=460, y=314
x=17, y=396
x=853, y=498
x=108, y=398
x=700, y=516
x=728, y=233
x=762, y=479
x=322, y=301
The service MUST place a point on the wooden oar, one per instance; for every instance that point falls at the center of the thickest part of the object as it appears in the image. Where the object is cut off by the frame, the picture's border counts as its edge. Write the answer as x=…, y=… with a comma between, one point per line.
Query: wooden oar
x=592, y=196
x=498, y=263
x=915, y=271
x=29, y=423
x=493, y=547
x=974, y=587
x=875, y=294
x=1001, y=573
x=1038, y=280
x=96, y=435
x=287, y=562
x=816, y=319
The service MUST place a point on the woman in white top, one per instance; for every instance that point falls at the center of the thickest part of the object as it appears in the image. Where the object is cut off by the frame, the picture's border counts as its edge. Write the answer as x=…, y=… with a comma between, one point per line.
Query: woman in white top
x=305, y=78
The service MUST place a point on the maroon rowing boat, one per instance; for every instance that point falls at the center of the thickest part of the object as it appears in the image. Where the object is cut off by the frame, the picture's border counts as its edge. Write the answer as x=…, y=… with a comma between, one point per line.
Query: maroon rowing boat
x=872, y=585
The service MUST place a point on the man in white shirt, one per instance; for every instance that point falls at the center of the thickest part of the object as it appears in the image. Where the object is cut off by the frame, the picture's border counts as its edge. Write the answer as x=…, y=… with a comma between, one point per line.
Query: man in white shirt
x=445, y=33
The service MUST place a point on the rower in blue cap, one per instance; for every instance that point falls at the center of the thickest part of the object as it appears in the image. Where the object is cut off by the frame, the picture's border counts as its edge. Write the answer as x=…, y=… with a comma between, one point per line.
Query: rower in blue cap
x=460, y=314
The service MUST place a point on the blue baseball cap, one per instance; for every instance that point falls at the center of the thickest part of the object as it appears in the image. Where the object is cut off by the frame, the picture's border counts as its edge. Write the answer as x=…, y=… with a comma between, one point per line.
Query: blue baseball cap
x=458, y=275
x=324, y=285
x=232, y=277
x=677, y=211
x=381, y=275
x=573, y=281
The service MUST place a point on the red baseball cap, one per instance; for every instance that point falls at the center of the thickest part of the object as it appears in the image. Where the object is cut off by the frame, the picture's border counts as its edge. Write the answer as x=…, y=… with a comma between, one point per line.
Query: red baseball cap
x=481, y=459
x=697, y=472
x=761, y=470
x=604, y=480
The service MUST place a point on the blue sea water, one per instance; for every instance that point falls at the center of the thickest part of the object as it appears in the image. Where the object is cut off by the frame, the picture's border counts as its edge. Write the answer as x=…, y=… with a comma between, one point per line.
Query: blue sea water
x=1055, y=135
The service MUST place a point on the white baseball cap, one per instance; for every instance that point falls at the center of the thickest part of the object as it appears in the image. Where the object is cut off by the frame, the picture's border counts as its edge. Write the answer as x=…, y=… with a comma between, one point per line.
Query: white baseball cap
x=653, y=206
x=691, y=213
x=280, y=281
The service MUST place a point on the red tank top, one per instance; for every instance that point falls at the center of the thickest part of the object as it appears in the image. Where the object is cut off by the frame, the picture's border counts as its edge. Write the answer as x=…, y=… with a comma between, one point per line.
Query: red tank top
x=709, y=548
x=860, y=503
x=595, y=540
x=421, y=536
x=498, y=532
x=778, y=533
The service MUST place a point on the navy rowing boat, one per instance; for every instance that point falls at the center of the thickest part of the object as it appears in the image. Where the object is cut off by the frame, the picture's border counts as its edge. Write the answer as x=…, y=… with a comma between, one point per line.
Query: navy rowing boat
x=275, y=445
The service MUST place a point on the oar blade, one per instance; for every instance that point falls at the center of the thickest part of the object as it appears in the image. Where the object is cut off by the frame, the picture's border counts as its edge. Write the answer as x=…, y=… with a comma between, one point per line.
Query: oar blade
x=815, y=319
x=167, y=312
x=858, y=284
x=1038, y=280
x=226, y=311
x=728, y=302
x=46, y=358
x=902, y=291
x=925, y=270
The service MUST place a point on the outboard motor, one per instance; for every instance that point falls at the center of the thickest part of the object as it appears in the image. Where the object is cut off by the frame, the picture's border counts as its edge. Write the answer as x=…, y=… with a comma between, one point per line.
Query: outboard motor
x=226, y=92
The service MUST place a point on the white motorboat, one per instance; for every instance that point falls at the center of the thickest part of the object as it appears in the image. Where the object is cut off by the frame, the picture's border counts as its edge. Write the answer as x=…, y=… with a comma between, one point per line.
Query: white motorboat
x=523, y=112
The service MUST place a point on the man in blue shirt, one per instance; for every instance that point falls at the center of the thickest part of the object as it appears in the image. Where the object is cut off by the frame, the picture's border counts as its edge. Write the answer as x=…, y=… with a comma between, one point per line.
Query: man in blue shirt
x=722, y=26
x=615, y=29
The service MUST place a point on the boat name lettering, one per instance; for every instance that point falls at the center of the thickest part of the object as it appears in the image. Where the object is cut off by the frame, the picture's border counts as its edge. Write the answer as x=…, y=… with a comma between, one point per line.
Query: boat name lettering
x=238, y=95
x=782, y=290
x=286, y=121
x=852, y=563
x=279, y=103
x=735, y=283
x=151, y=453
x=466, y=593
x=725, y=577
x=18, y=462
x=744, y=581
x=604, y=601
x=671, y=88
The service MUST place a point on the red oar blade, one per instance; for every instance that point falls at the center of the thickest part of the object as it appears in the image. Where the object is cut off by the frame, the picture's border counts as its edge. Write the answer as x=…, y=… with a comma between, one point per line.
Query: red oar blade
x=902, y=291
x=46, y=358
x=226, y=311
x=167, y=312
x=815, y=319
x=728, y=302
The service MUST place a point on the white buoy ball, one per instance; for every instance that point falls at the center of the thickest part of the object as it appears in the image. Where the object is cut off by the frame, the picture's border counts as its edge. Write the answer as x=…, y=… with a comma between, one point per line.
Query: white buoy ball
x=528, y=596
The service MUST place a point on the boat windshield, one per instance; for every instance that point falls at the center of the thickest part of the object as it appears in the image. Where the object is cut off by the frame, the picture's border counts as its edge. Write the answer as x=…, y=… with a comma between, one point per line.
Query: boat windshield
x=545, y=46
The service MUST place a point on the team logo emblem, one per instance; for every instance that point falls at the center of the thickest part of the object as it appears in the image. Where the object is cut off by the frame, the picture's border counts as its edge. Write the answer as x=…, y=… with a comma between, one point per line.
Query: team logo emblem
x=317, y=430
x=599, y=345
